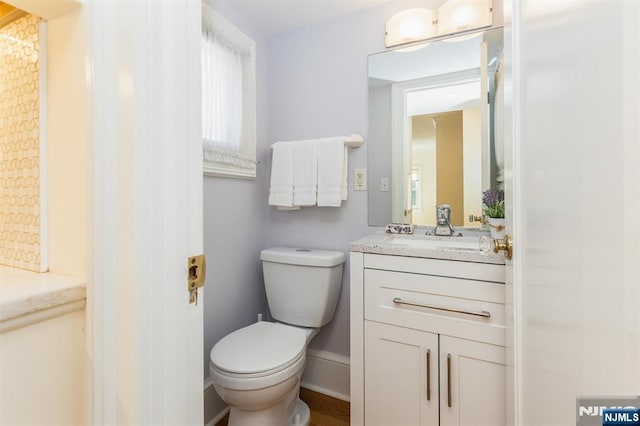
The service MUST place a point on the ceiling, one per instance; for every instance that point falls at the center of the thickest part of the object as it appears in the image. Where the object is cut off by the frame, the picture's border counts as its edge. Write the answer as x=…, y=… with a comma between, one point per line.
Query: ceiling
x=276, y=16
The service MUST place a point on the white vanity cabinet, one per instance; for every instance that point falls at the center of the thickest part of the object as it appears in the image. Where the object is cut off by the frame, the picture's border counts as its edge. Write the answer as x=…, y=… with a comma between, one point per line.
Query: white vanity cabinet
x=427, y=341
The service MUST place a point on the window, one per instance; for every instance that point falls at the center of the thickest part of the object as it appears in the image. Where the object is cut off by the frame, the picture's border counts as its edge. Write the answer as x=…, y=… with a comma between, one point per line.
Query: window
x=228, y=98
x=416, y=188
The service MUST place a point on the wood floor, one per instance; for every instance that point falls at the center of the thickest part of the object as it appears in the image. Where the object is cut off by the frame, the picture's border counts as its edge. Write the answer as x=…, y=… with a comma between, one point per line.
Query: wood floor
x=325, y=410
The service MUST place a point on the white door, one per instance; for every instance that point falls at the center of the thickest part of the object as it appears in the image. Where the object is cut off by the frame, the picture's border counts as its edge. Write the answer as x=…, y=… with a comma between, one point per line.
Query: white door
x=575, y=130
x=145, y=337
x=401, y=367
x=472, y=383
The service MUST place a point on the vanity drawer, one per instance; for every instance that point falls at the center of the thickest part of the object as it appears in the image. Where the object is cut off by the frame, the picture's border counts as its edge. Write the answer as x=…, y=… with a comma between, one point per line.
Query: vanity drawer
x=427, y=302
x=448, y=268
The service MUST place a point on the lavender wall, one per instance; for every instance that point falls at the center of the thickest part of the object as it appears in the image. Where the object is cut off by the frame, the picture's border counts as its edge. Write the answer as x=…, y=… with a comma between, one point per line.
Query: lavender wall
x=234, y=226
x=318, y=86
x=312, y=82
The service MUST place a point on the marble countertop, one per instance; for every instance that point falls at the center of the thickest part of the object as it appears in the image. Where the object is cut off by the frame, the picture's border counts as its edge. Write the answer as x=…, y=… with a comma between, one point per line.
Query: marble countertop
x=24, y=292
x=466, y=248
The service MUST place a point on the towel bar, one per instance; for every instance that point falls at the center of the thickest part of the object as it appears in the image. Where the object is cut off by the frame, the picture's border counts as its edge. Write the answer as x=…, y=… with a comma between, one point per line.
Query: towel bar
x=354, y=140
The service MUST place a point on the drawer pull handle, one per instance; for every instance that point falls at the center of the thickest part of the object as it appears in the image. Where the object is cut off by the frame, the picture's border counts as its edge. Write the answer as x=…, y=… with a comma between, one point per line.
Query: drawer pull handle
x=428, y=374
x=449, y=380
x=484, y=314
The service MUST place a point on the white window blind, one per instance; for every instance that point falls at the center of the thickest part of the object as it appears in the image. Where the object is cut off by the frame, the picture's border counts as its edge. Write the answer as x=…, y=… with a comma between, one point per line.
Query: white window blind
x=228, y=98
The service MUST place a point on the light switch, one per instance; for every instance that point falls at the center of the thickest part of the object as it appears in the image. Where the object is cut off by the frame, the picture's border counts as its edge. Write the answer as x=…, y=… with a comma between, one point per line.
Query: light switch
x=360, y=179
x=384, y=185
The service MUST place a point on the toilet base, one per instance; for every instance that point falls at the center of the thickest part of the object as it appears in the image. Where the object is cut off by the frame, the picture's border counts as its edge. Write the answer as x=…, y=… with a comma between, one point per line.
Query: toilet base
x=301, y=415
x=289, y=411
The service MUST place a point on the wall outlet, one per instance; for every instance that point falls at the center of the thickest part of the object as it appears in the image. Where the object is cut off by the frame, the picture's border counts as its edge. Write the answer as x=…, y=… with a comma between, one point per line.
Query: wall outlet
x=360, y=179
x=384, y=185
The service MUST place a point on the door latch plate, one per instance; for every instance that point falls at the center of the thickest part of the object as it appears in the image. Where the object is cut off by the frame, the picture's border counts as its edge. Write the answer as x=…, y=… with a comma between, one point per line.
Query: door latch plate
x=197, y=271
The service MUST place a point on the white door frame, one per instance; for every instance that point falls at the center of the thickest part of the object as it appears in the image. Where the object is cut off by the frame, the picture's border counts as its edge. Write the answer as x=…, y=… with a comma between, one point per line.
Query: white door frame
x=145, y=339
x=144, y=167
x=401, y=133
x=513, y=211
x=582, y=305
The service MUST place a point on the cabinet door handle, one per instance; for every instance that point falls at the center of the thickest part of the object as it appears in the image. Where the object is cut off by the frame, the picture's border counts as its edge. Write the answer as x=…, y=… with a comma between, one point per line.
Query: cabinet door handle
x=449, y=380
x=484, y=314
x=428, y=374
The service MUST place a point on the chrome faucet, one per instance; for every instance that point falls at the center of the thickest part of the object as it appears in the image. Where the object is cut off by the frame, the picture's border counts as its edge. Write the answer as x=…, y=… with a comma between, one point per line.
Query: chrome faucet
x=443, y=226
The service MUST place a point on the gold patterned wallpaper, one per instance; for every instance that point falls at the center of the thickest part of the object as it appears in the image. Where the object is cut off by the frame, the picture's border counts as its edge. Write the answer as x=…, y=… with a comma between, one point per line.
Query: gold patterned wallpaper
x=19, y=145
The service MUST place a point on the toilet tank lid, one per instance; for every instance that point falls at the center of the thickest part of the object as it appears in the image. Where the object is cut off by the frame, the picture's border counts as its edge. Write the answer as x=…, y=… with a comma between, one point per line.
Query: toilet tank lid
x=303, y=256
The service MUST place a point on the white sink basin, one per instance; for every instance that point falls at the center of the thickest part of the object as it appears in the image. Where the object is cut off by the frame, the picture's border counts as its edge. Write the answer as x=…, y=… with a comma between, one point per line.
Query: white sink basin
x=435, y=243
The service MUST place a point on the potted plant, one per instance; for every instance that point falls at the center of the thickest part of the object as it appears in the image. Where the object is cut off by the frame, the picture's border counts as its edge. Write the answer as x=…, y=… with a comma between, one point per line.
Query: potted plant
x=493, y=201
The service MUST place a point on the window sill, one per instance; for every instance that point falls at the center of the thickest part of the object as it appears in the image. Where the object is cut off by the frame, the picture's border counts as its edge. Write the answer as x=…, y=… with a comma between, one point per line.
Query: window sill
x=29, y=297
x=212, y=169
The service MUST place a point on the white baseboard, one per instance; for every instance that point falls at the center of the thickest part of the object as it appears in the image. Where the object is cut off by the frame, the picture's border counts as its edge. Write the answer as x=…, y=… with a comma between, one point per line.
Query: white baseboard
x=327, y=373
x=214, y=408
x=208, y=384
x=216, y=419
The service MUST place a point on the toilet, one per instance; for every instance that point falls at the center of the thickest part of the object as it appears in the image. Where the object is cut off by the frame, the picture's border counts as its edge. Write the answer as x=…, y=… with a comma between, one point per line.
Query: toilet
x=256, y=370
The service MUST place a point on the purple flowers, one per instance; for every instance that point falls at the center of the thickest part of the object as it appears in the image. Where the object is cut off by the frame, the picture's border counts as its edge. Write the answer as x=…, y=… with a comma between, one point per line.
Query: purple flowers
x=493, y=203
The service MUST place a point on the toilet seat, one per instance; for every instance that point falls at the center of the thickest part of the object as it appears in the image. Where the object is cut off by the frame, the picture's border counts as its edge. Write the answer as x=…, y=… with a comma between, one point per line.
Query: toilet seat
x=258, y=350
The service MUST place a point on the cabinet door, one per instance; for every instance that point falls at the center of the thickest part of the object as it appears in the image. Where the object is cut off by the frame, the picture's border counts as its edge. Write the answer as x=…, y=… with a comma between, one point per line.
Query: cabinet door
x=472, y=383
x=401, y=376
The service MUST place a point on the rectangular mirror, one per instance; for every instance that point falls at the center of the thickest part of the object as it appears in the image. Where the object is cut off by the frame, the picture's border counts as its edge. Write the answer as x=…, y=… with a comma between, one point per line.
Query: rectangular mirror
x=435, y=129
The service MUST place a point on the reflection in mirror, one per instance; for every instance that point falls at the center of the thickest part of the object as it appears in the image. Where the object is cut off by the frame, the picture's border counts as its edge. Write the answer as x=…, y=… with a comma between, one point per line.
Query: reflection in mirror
x=433, y=137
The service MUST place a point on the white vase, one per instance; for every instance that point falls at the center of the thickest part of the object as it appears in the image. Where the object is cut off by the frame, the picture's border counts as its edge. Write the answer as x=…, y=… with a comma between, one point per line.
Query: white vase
x=496, y=227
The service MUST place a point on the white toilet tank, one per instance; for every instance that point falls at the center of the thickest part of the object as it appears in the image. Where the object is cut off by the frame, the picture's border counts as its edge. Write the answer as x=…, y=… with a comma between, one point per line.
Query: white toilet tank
x=302, y=285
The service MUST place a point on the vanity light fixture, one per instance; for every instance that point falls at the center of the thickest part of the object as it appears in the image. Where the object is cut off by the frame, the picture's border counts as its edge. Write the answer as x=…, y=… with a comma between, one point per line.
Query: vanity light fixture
x=462, y=15
x=454, y=16
x=409, y=26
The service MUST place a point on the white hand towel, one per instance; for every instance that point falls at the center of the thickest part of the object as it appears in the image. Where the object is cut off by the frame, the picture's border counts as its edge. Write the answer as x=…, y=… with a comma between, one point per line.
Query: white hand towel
x=305, y=173
x=345, y=174
x=281, y=190
x=330, y=171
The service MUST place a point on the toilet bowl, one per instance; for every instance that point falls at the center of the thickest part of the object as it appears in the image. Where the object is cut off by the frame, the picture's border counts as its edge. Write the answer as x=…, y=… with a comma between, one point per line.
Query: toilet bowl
x=256, y=370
